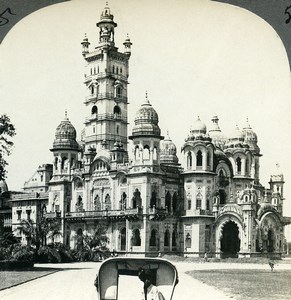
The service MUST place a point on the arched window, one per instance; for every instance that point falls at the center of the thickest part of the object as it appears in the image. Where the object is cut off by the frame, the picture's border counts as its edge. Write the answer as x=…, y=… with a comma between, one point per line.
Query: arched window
x=92, y=89
x=238, y=165
x=136, y=240
x=120, y=70
x=198, y=201
x=189, y=159
x=113, y=69
x=167, y=238
x=97, y=203
x=123, y=201
x=168, y=201
x=153, y=238
x=116, y=110
x=118, y=91
x=107, y=202
x=136, y=200
x=199, y=158
x=63, y=162
x=94, y=110
x=146, y=152
x=136, y=152
x=153, y=201
x=188, y=240
x=116, y=70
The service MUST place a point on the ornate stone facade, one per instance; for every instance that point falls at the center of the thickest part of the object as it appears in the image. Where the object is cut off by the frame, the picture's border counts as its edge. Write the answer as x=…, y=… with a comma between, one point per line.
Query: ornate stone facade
x=212, y=202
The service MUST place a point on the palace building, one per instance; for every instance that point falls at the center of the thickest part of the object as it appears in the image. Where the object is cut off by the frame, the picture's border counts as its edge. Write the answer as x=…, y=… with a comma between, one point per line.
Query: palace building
x=148, y=200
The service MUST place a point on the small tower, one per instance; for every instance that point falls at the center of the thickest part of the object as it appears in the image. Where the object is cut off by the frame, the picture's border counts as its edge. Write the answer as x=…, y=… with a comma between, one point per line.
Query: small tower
x=146, y=136
x=127, y=46
x=276, y=186
x=85, y=45
x=65, y=150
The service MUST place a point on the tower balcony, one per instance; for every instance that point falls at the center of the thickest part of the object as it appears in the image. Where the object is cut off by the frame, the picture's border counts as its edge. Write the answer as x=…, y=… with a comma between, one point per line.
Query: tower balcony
x=130, y=213
x=104, y=96
x=106, y=117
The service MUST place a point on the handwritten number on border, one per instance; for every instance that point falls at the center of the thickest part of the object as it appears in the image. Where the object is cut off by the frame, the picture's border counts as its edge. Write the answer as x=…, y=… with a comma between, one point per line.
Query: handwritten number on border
x=4, y=20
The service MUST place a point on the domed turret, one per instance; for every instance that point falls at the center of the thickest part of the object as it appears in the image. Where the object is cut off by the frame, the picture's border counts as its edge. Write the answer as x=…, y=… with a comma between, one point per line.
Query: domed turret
x=168, y=152
x=106, y=25
x=65, y=136
x=250, y=137
x=218, y=138
x=199, y=128
x=146, y=121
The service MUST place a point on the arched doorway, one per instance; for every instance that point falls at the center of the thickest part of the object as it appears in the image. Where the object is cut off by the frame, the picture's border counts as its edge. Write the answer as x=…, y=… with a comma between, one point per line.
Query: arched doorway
x=230, y=242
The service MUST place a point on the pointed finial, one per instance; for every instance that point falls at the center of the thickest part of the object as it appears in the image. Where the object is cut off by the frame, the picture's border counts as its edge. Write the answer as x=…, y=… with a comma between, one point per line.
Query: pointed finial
x=146, y=98
x=66, y=114
x=106, y=3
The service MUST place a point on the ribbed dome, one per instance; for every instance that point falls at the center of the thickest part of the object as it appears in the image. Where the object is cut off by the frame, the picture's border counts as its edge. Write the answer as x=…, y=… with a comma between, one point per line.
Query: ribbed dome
x=198, y=127
x=3, y=186
x=236, y=135
x=65, y=136
x=168, y=151
x=217, y=137
x=250, y=137
x=146, y=121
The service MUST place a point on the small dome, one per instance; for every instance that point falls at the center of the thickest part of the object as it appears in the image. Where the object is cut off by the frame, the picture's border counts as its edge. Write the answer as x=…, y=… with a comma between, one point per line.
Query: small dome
x=217, y=137
x=3, y=186
x=65, y=136
x=236, y=135
x=250, y=137
x=104, y=155
x=168, y=152
x=106, y=13
x=146, y=121
x=198, y=127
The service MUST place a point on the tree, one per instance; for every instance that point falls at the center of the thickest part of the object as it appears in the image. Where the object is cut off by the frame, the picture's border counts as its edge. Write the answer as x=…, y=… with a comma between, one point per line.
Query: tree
x=37, y=234
x=7, y=130
x=91, y=247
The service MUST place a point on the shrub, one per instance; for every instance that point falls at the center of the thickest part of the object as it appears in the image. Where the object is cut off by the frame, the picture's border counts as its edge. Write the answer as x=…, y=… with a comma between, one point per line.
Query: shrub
x=47, y=254
x=5, y=253
x=23, y=253
x=64, y=252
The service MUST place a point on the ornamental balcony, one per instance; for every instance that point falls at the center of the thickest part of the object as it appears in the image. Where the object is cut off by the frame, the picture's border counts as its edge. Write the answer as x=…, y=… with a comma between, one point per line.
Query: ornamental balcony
x=100, y=96
x=156, y=213
x=106, y=117
x=197, y=213
x=130, y=213
x=52, y=215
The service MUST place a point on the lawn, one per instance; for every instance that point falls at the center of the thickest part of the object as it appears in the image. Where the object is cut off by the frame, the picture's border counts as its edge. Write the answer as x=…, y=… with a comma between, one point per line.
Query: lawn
x=11, y=278
x=248, y=284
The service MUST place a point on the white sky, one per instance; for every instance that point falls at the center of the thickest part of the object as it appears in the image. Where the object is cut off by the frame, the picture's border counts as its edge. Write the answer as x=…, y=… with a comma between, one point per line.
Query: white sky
x=193, y=57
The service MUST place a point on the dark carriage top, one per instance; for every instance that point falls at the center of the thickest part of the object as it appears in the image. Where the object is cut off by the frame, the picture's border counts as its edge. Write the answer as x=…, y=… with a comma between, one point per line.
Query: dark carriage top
x=110, y=285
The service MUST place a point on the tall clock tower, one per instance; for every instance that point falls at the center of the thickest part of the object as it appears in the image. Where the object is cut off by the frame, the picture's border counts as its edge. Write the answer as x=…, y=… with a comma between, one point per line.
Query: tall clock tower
x=106, y=80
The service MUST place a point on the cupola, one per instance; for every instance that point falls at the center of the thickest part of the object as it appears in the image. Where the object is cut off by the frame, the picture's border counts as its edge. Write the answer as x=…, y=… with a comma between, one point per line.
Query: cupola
x=146, y=121
x=168, y=151
x=65, y=136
